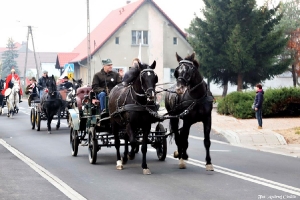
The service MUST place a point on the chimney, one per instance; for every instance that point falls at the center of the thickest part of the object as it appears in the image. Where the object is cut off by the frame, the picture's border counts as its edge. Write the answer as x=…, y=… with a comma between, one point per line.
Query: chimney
x=128, y=2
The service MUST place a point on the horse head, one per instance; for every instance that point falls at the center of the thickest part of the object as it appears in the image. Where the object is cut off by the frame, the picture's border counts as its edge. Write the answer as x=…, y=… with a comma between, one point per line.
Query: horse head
x=147, y=79
x=51, y=85
x=77, y=83
x=185, y=72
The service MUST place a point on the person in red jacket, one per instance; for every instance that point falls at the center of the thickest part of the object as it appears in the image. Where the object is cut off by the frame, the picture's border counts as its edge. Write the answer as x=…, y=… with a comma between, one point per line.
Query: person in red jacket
x=8, y=84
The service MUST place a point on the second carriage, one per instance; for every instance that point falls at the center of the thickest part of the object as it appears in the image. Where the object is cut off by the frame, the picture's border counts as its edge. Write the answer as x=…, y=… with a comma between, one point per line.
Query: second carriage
x=89, y=127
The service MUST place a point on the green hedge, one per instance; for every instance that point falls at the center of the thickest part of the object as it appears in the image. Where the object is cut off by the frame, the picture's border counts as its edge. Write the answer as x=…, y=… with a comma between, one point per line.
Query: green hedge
x=277, y=102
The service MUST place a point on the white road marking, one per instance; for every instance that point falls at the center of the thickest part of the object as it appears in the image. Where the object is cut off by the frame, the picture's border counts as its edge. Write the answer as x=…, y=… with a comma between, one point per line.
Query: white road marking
x=201, y=138
x=55, y=181
x=243, y=176
x=69, y=191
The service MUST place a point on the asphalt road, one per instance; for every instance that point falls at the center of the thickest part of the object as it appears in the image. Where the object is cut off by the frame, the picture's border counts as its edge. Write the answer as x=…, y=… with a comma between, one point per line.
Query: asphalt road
x=38, y=165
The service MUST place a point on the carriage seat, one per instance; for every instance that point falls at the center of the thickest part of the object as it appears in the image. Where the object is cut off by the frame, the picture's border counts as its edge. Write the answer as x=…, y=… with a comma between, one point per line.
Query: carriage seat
x=81, y=92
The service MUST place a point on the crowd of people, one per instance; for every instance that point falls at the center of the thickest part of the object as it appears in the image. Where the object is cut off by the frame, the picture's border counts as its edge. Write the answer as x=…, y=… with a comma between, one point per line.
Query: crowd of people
x=103, y=82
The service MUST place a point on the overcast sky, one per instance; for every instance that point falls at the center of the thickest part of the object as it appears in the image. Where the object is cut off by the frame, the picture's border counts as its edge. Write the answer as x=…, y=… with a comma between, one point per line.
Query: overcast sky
x=59, y=25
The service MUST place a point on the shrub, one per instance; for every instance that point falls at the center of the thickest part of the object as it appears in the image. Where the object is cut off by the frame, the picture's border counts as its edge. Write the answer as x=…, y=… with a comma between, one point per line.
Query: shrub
x=277, y=102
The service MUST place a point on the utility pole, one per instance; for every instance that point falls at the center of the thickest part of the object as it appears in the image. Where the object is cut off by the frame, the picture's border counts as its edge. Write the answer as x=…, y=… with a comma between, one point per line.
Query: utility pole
x=37, y=69
x=88, y=43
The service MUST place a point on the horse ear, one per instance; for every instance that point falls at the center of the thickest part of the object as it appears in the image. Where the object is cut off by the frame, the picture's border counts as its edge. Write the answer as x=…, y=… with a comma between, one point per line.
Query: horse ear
x=192, y=57
x=178, y=57
x=73, y=80
x=153, y=65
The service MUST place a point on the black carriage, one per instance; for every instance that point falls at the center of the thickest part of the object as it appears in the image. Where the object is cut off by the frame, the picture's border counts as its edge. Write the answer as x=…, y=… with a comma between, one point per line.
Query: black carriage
x=89, y=127
x=37, y=115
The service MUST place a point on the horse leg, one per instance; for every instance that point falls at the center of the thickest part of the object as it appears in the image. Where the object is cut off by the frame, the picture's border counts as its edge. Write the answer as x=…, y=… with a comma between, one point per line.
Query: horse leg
x=184, y=135
x=49, y=120
x=132, y=140
x=125, y=155
x=115, y=130
x=174, y=128
x=207, y=128
x=146, y=130
x=58, y=119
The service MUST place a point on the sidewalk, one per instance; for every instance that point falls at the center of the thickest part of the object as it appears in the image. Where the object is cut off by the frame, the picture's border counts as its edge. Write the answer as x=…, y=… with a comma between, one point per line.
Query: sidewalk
x=245, y=133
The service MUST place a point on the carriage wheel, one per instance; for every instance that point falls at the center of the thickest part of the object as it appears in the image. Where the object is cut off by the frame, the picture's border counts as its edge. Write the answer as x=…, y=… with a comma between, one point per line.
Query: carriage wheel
x=161, y=143
x=74, y=141
x=32, y=118
x=38, y=121
x=92, y=146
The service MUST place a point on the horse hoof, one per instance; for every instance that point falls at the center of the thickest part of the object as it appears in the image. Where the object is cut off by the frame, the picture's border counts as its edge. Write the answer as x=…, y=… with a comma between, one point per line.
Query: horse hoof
x=49, y=132
x=209, y=167
x=182, y=164
x=146, y=171
x=175, y=155
x=119, y=165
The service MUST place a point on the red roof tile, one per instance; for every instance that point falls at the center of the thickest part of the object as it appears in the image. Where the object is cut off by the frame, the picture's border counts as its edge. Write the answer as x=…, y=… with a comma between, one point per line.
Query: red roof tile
x=64, y=58
x=105, y=29
x=110, y=25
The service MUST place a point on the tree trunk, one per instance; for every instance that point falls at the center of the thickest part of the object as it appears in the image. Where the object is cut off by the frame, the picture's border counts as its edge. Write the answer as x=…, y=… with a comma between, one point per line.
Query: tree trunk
x=294, y=75
x=225, y=89
x=240, y=82
x=208, y=83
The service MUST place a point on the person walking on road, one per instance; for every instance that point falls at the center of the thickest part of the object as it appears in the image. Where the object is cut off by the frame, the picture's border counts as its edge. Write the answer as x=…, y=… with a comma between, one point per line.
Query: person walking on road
x=258, y=102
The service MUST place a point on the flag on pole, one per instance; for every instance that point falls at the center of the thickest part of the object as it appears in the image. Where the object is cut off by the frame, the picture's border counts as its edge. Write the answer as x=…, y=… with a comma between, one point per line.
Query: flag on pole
x=140, y=52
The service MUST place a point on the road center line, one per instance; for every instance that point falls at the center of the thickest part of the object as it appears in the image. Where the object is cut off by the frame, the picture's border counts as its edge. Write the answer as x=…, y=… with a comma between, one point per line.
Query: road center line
x=55, y=181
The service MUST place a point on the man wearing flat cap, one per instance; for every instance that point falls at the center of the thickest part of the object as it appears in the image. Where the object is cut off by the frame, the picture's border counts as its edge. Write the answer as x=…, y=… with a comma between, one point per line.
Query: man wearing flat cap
x=104, y=81
x=9, y=83
x=66, y=84
x=42, y=83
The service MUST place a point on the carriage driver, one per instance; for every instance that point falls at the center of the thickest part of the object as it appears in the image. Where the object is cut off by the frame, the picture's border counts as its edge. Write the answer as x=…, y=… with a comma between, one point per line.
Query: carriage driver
x=31, y=89
x=104, y=81
x=42, y=83
x=8, y=84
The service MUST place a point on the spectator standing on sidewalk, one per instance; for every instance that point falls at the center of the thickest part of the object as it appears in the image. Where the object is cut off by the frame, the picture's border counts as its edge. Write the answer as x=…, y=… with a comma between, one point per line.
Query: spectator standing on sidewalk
x=259, y=98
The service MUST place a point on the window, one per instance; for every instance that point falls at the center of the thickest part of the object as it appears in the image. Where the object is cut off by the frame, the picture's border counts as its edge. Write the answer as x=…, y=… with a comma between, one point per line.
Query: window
x=117, y=40
x=139, y=37
x=174, y=40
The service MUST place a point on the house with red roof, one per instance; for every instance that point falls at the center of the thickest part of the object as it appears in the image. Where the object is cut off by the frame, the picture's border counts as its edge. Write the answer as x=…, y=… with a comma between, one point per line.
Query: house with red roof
x=119, y=36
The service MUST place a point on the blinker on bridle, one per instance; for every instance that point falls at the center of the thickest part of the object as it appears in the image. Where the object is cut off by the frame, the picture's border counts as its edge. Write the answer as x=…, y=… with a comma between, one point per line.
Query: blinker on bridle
x=190, y=69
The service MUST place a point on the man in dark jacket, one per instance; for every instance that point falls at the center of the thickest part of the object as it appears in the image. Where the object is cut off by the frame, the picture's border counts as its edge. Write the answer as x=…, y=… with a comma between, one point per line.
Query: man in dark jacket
x=42, y=83
x=66, y=84
x=258, y=102
x=1, y=95
x=104, y=81
x=31, y=90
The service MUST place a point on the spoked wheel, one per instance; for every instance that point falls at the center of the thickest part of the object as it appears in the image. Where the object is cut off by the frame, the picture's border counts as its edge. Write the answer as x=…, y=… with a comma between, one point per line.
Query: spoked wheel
x=38, y=121
x=32, y=118
x=92, y=146
x=74, y=141
x=161, y=143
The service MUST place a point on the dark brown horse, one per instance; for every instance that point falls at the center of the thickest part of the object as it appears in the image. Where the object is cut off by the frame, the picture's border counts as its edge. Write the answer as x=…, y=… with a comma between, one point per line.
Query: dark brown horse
x=193, y=102
x=51, y=103
x=129, y=109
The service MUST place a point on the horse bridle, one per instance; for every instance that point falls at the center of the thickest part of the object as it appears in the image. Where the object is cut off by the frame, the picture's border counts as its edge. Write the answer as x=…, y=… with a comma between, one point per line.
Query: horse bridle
x=145, y=91
x=190, y=70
